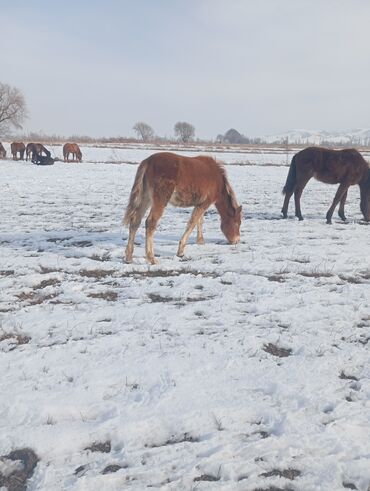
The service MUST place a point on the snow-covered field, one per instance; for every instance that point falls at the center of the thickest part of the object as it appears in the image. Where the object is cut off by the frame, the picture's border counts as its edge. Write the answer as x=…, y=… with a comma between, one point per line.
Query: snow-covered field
x=235, y=368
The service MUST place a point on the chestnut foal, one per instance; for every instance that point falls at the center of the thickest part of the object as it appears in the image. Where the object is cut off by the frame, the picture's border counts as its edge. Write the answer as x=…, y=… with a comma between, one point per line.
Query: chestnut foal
x=182, y=181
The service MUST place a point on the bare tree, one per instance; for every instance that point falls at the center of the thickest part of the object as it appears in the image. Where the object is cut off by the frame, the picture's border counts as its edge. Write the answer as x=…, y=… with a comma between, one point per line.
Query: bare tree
x=144, y=131
x=185, y=131
x=13, y=108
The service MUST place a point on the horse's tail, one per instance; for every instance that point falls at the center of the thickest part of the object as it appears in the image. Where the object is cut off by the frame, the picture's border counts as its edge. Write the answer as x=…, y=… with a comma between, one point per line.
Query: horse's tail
x=136, y=195
x=291, y=180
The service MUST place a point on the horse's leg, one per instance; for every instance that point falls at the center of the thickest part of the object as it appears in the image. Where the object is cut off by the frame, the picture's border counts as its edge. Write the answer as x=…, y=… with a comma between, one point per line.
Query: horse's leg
x=301, y=184
x=200, y=238
x=155, y=214
x=198, y=213
x=342, y=189
x=341, y=207
x=134, y=225
x=284, y=209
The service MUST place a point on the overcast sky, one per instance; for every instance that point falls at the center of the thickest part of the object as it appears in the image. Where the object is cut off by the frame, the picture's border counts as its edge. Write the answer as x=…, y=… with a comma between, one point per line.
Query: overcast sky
x=260, y=66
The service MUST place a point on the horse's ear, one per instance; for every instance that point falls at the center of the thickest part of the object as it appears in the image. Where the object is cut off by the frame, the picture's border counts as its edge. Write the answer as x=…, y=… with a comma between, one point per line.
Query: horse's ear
x=239, y=209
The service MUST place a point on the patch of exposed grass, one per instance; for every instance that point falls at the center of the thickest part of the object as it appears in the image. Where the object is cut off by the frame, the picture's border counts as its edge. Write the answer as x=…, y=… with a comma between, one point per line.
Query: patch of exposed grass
x=286, y=473
x=96, y=273
x=47, y=270
x=156, y=298
x=109, y=295
x=58, y=240
x=104, y=447
x=48, y=282
x=104, y=257
x=15, y=338
x=175, y=439
x=347, y=377
x=6, y=272
x=350, y=279
x=16, y=479
x=163, y=273
x=278, y=277
x=207, y=477
x=109, y=469
x=349, y=485
x=275, y=350
x=35, y=298
x=82, y=243
x=273, y=488
x=315, y=274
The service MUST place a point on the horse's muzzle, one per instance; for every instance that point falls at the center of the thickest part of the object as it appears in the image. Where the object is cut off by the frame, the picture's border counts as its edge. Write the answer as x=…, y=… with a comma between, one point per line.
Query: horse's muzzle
x=235, y=241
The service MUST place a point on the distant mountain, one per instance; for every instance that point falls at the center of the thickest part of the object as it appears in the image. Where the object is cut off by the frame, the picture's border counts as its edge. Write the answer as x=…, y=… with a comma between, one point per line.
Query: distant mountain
x=317, y=137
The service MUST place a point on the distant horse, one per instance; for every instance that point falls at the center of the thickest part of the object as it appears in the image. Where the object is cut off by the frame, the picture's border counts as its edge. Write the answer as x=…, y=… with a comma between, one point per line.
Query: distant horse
x=344, y=167
x=2, y=151
x=182, y=181
x=43, y=160
x=17, y=147
x=74, y=149
x=35, y=149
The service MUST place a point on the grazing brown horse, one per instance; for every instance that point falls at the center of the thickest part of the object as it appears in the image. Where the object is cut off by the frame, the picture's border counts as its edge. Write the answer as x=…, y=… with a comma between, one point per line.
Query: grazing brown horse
x=17, y=147
x=182, y=181
x=74, y=149
x=35, y=149
x=344, y=167
x=2, y=151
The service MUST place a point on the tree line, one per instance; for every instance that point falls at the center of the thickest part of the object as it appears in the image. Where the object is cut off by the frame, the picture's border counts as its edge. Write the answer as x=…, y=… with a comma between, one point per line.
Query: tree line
x=184, y=131
x=13, y=112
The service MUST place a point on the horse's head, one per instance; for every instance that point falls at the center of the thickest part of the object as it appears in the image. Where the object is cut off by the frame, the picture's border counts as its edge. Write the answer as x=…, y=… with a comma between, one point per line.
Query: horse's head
x=230, y=224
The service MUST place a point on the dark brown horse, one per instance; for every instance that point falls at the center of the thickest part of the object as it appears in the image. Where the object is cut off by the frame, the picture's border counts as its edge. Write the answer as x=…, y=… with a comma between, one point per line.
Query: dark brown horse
x=33, y=150
x=17, y=147
x=74, y=149
x=182, y=181
x=344, y=167
x=43, y=160
x=2, y=151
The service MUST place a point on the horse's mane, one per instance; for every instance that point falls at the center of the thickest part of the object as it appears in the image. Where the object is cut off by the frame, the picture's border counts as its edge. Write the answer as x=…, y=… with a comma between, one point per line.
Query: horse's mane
x=229, y=189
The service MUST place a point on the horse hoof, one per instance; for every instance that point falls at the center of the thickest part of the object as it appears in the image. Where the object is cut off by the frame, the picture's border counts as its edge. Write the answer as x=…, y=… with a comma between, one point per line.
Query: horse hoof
x=200, y=242
x=151, y=260
x=328, y=222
